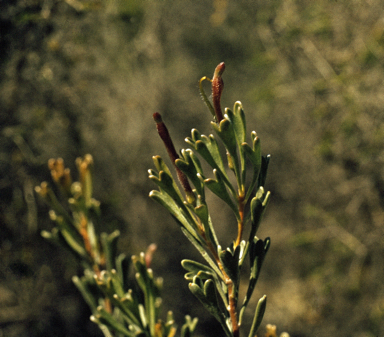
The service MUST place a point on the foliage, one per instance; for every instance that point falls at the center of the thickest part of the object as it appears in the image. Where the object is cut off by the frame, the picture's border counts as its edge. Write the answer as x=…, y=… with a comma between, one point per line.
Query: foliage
x=125, y=310
x=119, y=307
x=82, y=79
x=217, y=285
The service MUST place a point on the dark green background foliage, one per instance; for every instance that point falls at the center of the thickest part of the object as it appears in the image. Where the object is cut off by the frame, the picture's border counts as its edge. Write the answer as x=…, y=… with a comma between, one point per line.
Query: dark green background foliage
x=82, y=77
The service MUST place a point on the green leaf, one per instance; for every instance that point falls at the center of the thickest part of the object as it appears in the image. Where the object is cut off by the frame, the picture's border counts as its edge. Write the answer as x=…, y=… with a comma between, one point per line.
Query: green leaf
x=210, y=293
x=203, y=272
x=130, y=309
x=203, y=252
x=207, y=296
x=145, y=280
x=183, y=218
x=191, y=167
x=117, y=283
x=94, y=240
x=226, y=133
x=82, y=286
x=107, y=319
x=263, y=171
x=188, y=327
x=122, y=267
x=254, y=156
x=259, y=314
x=161, y=166
x=258, y=250
x=208, y=148
x=167, y=184
x=109, y=244
x=230, y=262
x=70, y=235
x=254, y=153
x=218, y=187
x=195, y=267
x=237, y=118
x=257, y=211
x=64, y=239
x=202, y=212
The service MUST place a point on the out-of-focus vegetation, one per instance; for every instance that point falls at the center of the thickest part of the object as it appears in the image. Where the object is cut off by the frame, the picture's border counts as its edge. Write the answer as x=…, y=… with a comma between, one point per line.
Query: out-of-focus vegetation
x=82, y=77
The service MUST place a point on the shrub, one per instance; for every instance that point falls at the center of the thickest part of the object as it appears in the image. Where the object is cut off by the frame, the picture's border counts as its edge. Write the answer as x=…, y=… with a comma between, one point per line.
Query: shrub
x=124, y=307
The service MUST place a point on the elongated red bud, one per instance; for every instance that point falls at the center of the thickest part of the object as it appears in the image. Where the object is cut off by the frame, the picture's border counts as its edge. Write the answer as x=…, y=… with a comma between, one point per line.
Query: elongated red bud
x=217, y=89
x=167, y=140
x=165, y=137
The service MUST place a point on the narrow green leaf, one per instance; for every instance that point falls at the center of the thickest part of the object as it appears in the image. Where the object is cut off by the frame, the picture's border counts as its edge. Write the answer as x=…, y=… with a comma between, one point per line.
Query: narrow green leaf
x=209, y=299
x=204, y=272
x=208, y=148
x=188, y=327
x=231, y=263
x=263, y=171
x=191, y=168
x=70, y=235
x=218, y=187
x=94, y=241
x=194, y=266
x=130, y=309
x=258, y=250
x=109, y=244
x=254, y=153
x=161, y=166
x=183, y=218
x=226, y=133
x=237, y=119
x=74, y=244
x=254, y=156
x=85, y=292
x=257, y=211
x=57, y=237
x=202, y=212
x=239, y=122
x=122, y=267
x=117, y=283
x=210, y=293
x=259, y=314
x=203, y=252
x=168, y=185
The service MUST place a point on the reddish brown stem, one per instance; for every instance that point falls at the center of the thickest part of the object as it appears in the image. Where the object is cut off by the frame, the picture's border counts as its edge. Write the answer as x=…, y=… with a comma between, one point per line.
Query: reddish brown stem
x=232, y=303
x=240, y=224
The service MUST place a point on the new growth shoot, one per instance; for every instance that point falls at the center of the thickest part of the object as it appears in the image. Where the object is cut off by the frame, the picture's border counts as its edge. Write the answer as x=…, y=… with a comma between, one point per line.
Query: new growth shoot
x=217, y=284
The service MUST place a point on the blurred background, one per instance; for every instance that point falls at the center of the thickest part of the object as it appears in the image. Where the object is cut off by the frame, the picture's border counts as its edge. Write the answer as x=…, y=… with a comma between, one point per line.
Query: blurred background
x=84, y=76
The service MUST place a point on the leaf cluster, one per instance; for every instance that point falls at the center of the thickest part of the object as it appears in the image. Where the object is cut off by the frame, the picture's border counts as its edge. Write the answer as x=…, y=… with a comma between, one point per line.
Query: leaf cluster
x=216, y=284
x=119, y=305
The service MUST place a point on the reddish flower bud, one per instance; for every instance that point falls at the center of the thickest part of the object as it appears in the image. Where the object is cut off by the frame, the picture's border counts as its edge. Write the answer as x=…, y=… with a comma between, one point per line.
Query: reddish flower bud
x=217, y=89
x=167, y=140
